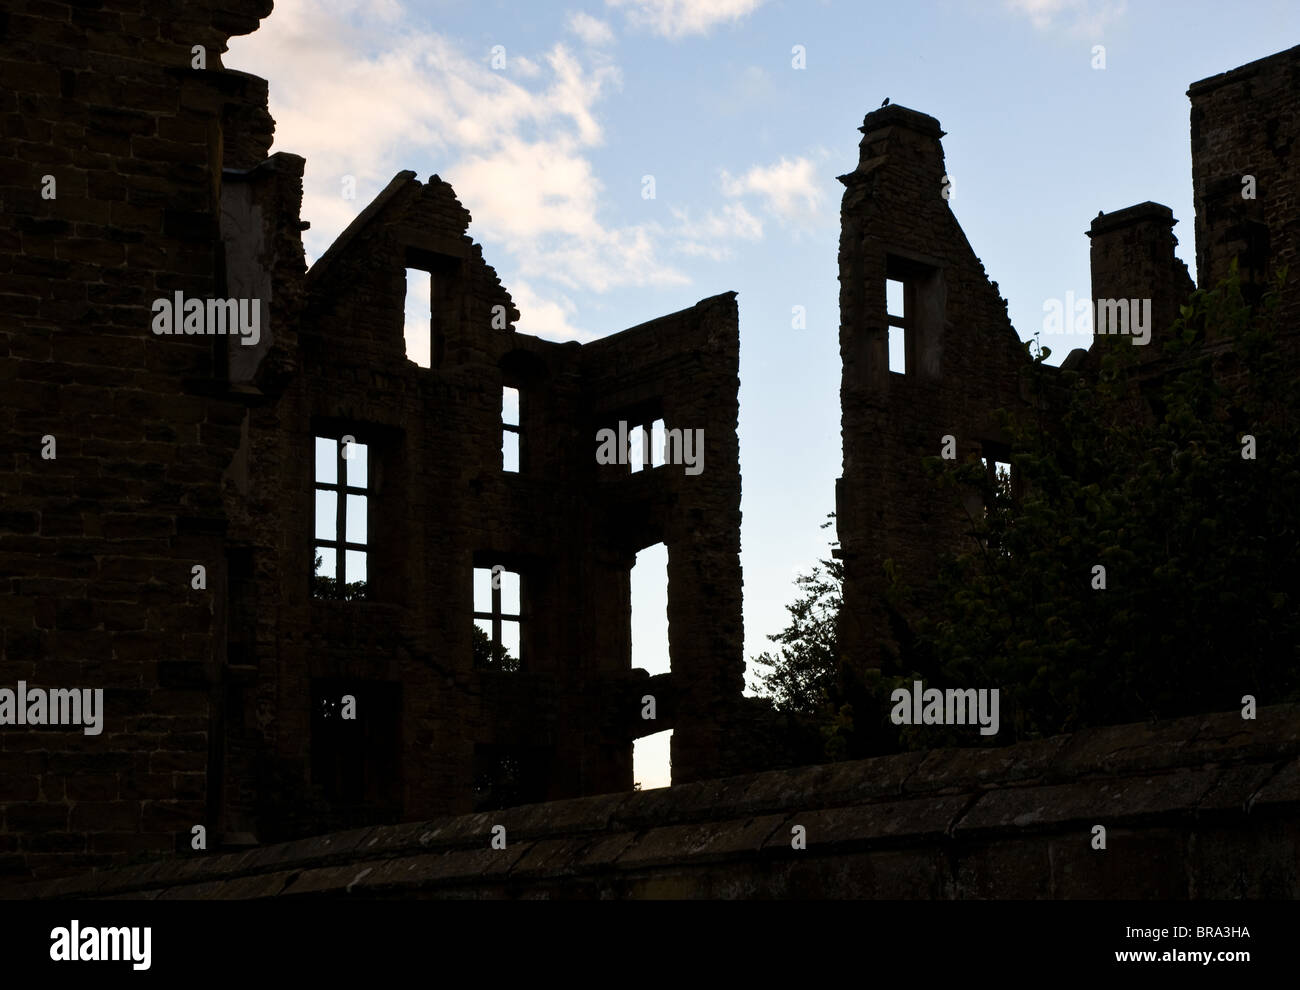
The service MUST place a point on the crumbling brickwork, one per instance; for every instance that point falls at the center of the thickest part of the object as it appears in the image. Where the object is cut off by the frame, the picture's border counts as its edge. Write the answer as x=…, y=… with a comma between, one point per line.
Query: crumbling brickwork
x=962, y=356
x=1246, y=126
x=99, y=533
x=159, y=491
x=181, y=450
x=441, y=504
x=962, y=364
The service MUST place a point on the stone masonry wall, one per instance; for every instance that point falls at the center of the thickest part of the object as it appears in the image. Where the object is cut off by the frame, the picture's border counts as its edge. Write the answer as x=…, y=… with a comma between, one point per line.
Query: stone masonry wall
x=1247, y=122
x=963, y=362
x=440, y=505
x=97, y=542
x=1206, y=807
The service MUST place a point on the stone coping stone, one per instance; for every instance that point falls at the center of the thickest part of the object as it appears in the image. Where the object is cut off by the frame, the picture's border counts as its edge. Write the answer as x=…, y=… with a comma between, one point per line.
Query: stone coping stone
x=1101, y=802
x=700, y=842
x=1202, y=764
x=1282, y=789
x=915, y=820
x=974, y=768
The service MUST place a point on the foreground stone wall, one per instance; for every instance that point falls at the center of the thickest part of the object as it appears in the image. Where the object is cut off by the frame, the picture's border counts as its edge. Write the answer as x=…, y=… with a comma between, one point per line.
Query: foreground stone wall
x=1200, y=807
x=113, y=440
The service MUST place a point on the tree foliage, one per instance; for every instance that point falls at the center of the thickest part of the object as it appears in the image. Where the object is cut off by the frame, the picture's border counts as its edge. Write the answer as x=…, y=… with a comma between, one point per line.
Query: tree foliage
x=800, y=678
x=488, y=658
x=330, y=589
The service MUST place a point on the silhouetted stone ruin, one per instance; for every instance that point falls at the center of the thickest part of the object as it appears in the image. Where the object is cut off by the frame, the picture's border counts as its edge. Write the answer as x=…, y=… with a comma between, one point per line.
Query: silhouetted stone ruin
x=161, y=536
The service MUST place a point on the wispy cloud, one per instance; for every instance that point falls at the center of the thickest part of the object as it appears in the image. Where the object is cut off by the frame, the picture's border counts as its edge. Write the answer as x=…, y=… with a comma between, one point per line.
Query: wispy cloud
x=591, y=30
x=789, y=189
x=713, y=234
x=1082, y=18
x=678, y=18
x=514, y=143
x=548, y=317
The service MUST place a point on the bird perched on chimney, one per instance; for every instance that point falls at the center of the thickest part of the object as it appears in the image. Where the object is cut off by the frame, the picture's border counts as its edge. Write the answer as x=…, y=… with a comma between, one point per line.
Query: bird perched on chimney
x=886, y=103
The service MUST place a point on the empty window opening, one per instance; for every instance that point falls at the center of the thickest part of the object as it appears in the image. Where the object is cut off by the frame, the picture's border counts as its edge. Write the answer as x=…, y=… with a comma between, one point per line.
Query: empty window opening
x=897, y=313
x=898, y=350
x=650, y=610
x=650, y=651
x=355, y=742
x=915, y=304
x=895, y=306
x=638, y=456
x=341, y=518
x=506, y=776
x=645, y=445
x=497, y=619
x=1000, y=482
x=652, y=764
x=657, y=440
x=510, y=429
x=999, y=476
x=418, y=317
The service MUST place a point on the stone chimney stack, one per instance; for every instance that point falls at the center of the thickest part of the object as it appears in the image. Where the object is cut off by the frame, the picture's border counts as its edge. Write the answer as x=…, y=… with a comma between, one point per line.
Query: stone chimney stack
x=905, y=138
x=1133, y=258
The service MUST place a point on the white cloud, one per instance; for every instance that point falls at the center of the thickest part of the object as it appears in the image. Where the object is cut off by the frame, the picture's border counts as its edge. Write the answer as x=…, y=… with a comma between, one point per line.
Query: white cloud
x=788, y=189
x=707, y=236
x=1084, y=18
x=525, y=66
x=679, y=18
x=591, y=30
x=369, y=98
x=549, y=318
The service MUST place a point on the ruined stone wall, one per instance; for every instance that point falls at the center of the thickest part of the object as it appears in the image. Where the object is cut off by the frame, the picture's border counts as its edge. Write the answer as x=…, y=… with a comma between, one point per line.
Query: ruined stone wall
x=97, y=543
x=684, y=369
x=175, y=451
x=1206, y=807
x=962, y=364
x=435, y=494
x=1247, y=122
x=440, y=504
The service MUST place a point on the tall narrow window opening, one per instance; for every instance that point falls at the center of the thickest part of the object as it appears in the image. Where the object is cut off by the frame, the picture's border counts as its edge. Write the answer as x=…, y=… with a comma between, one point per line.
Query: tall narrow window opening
x=915, y=307
x=510, y=434
x=356, y=743
x=897, y=311
x=341, y=518
x=498, y=619
x=418, y=317
x=651, y=754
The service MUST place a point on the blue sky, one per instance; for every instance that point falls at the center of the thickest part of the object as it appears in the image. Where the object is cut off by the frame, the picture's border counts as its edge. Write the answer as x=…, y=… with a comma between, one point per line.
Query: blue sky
x=549, y=152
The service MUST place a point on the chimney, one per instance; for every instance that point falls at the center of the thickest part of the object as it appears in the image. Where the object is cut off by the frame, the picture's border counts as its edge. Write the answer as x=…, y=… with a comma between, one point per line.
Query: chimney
x=905, y=138
x=1133, y=259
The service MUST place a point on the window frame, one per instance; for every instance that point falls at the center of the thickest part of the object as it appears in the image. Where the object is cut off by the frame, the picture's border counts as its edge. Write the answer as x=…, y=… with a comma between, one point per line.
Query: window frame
x=341, y=489
x=903, y=321
x=515, y=428
x=498, y=616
